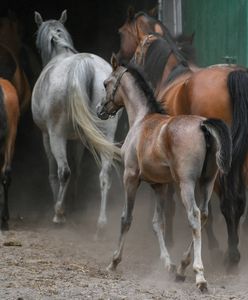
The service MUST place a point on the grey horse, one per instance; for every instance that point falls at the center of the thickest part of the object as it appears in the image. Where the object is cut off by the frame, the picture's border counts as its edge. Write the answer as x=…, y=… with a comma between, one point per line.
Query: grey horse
x=64, y=102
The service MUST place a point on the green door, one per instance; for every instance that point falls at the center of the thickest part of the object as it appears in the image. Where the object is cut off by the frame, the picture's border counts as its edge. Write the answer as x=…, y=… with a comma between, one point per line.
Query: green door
x=220, y=28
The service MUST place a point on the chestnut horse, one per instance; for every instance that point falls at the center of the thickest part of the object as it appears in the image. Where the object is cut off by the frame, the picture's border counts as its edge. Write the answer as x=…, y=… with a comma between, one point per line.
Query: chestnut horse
x=220, y=91
x=10, y=65
x=9, y=116
x=159, y=149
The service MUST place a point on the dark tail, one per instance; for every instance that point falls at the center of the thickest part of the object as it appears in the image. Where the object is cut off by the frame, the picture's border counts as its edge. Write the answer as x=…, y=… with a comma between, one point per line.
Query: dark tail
x=237, y=83
x=232, y=185
x=221, y=135
x=3, y=125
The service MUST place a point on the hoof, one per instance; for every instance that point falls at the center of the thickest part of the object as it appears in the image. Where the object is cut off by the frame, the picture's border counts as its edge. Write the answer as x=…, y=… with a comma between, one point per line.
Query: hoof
x=202, y=286
x=111, y=267
x=180, y=278
x=171, y=269
x=100, y=233
x=59, y=219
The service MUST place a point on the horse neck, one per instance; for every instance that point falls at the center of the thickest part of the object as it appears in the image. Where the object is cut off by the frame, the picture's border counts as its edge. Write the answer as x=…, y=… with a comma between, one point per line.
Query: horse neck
x=134, y=100
x=171, y=64
x=58, y=52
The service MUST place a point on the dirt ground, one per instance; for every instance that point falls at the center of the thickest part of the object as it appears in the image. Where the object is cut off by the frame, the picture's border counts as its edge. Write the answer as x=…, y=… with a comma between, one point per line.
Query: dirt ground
x=40, y=261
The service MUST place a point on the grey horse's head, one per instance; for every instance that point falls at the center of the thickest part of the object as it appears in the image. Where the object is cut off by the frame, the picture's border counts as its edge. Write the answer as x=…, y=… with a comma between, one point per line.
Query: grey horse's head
x=52, y=37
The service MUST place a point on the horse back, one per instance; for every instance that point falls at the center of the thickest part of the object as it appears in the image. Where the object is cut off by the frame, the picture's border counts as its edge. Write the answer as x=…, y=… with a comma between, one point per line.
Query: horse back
x=204, y=93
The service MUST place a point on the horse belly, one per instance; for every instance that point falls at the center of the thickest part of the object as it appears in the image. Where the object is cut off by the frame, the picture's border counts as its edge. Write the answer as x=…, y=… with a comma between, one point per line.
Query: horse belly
x=155, y=172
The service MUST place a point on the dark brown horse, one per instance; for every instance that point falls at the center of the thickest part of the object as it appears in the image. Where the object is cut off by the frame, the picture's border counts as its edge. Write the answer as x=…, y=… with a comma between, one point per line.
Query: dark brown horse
x=10, y=66
x=9, y=116
x=214, y=92
x=160, y=149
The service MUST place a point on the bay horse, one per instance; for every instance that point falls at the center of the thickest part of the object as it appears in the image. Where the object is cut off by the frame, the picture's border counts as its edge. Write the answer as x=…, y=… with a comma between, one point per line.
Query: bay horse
x=161, y=149
x=10, y=61
x=64, y=101
x=219, y=91
x=9, y=117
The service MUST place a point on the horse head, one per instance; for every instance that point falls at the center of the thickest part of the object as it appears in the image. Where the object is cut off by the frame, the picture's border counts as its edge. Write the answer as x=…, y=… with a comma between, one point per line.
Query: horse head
x=52, y=37
x=136, y=26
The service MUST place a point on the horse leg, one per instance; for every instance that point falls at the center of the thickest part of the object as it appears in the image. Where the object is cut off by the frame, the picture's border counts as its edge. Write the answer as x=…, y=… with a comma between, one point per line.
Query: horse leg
x=131, y=183
x=169, y=213
x=105, y=183
x=6, y=180
x=77, y=151
x=158, y=226
x=6, y=177
x=232, y=213
x=58, y=147
x=53, y=176
x=194, y=217
x=245, y=216
x=212, y=241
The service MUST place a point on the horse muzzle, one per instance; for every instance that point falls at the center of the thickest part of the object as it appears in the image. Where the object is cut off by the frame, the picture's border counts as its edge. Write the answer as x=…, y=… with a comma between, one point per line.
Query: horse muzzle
x=102, y=113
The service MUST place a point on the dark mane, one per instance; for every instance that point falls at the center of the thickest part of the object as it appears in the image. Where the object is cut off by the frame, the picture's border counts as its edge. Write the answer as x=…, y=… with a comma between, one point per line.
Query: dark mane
x=157, y=56
x=154, y=106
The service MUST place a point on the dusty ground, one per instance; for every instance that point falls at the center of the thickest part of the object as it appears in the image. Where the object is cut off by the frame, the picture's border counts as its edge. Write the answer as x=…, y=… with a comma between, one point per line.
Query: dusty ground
x=45, y=262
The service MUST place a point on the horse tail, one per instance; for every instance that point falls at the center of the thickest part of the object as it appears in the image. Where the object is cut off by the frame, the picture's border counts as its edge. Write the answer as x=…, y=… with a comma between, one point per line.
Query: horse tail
x=237, y=83
x=85, y=122
x=3, y=122
x=221, y=135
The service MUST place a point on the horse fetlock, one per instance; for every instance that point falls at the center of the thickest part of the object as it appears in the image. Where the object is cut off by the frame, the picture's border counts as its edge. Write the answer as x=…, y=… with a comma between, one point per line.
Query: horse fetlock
x=64, y=174
x=171, y=268
x=102, y=222
x=59, y=219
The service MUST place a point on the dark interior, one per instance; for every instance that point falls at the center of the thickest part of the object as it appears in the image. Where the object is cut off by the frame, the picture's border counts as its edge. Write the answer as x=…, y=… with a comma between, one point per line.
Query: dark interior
x=93, y=25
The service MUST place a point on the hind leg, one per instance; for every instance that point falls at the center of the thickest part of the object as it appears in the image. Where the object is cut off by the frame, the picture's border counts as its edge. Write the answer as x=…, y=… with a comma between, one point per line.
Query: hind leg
x=58, y=147
x=53, y=176
x=158, y=226
x=194, y=217
x=105, y=183
x=76, y=153
x=131, y=183
x=169, y=213
x=212, y=240
x=6, y=181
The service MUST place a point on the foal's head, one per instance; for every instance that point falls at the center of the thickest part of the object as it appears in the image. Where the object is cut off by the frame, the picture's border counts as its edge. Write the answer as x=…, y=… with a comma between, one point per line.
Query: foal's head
x=113, y=101
x=115, y=95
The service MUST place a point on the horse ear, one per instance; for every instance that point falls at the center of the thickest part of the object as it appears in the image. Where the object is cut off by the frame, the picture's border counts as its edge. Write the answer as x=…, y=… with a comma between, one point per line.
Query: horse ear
x=130, y=13
x=153, y=12
x=63, y=17
x=38, y=18
x=114, y=61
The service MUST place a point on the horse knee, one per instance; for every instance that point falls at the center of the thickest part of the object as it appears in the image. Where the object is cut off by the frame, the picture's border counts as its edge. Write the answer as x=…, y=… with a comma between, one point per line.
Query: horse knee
x=105, y=179
x=64, y=174
x=194, y=218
